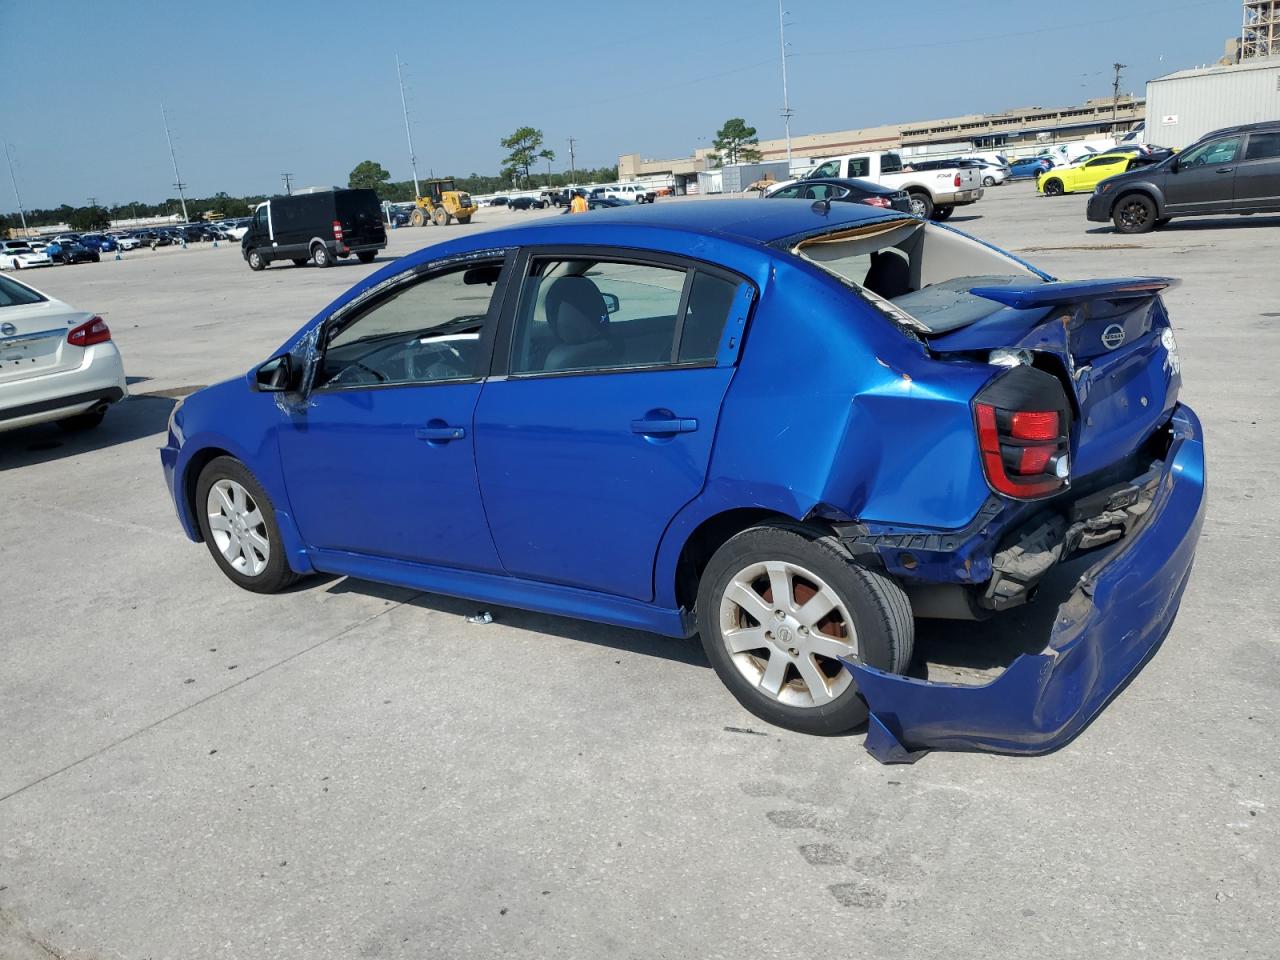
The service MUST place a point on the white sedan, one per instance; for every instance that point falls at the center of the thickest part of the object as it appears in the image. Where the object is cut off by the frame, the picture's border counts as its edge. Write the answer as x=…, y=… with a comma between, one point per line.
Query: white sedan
x=56, y=363
x=23, y=259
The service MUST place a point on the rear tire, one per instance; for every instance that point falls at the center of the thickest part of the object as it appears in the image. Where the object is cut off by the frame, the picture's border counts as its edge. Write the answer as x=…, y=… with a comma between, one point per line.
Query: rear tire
x=82, y=421
x=988, y=181
x=1053, y=188
x=321, y=255
x=246, y=521
x=943, y=212
x=366, y=256
x=256, y=261
x=861, y=614
x=922, y=205
x=1135, y=213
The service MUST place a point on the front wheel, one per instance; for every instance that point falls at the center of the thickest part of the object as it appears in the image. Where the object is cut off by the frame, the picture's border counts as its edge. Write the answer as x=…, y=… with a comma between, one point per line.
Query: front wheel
x=943, y=212
x=1134, y=214
x=922, y=205
x=417, y=218
x=779, y=606
x=440, y=217
x=239, y=527
x=464, y=219
x=257, y=261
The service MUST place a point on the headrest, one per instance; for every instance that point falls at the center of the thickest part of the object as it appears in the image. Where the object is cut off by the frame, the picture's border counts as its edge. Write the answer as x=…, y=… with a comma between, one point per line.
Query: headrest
x=576, y=311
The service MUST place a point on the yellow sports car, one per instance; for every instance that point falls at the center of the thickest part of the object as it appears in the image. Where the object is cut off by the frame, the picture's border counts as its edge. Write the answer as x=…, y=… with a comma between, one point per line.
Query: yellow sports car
x=1083, y=177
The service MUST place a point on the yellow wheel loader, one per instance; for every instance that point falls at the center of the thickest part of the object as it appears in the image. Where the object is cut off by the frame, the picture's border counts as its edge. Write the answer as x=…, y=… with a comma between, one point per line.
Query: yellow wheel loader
x=442, y=203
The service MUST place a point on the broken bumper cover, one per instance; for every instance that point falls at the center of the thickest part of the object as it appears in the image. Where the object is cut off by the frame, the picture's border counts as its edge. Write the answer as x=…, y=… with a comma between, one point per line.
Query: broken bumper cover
x=1114, y=619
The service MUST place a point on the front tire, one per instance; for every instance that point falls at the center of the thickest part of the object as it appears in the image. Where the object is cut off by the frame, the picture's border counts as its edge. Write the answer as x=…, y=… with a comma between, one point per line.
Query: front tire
x=778, y=606
x=464, y=219
x=1134, y=214
x=257, y=261
x=417, y=218
x=239, y=527
x=441, y=217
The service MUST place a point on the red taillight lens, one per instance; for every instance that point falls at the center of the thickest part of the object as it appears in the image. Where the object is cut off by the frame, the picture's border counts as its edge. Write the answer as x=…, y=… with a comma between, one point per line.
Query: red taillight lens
x=957, y=182
x=89, y=333
x=337, y=231
x=875, y=201
x=1022, y=444
x=1035, y=425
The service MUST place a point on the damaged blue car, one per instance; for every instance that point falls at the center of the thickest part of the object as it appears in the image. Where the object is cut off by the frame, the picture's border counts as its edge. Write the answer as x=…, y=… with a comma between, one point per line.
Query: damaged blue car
x=791, y=428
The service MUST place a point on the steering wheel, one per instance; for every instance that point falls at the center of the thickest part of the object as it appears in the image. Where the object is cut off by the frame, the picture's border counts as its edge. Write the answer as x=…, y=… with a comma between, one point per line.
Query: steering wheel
x=342, y=374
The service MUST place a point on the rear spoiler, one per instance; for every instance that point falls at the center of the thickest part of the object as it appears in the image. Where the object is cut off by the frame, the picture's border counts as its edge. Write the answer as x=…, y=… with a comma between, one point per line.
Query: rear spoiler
x=1028, y=296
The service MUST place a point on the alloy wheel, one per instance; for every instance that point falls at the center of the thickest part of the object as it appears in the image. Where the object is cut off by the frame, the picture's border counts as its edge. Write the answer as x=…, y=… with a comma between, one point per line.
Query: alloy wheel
x=238, y=528
x=1133, y=215
x=785, y=630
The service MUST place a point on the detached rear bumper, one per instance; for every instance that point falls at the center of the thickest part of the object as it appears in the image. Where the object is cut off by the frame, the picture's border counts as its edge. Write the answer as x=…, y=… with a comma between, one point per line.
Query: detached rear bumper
x=1114, y=620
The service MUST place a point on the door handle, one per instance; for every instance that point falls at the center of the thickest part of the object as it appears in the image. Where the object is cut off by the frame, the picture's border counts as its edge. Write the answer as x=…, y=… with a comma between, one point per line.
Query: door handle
x=445, y=433
x=1225, y=169
x=674, y=425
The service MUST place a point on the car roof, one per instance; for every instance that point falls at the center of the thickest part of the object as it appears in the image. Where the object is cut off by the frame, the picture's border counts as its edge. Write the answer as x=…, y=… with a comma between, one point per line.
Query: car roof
x=757, y=221
x=1244, y=128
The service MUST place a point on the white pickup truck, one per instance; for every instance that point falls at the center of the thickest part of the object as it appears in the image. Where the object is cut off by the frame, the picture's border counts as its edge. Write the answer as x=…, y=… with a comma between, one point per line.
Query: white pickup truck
x=935, y=194
x=635, y=192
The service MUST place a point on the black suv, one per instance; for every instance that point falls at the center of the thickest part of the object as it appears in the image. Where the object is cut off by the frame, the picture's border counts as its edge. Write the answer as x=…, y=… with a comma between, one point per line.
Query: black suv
x=1233, y=170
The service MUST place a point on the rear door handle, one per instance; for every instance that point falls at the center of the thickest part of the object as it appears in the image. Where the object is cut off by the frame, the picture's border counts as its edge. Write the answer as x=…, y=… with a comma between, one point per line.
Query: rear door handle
x=676, y=425
x=440, y=433
x=1225, y=169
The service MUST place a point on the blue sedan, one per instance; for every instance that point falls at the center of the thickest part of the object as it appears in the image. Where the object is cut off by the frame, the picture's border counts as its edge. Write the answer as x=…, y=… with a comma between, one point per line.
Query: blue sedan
x=1028, y=168
x=787, y=426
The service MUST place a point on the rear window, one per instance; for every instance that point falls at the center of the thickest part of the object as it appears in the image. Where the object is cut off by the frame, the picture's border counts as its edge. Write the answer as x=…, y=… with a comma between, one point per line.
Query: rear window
x=917, y=274
x=14, y=294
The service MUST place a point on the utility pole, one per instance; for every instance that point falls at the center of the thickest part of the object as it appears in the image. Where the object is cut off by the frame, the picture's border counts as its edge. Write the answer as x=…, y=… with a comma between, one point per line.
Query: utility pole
x=177, y=177
x=288, y=183
x=404, y=106
x=14, y=180
x=573, y=174
x=93, y=201
x=1115, y=93
x=786, y=102
x=548, y=174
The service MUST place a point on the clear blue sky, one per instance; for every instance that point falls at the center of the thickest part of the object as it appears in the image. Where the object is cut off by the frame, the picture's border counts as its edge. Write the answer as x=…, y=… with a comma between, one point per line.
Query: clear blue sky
x=256, y=88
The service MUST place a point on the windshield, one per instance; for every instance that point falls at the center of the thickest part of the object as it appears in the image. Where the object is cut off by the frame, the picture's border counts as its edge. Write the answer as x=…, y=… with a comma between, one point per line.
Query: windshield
x=918, y=274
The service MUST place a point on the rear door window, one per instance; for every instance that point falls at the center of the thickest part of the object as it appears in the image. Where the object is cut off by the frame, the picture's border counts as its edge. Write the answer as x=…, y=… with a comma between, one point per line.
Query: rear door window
x=1263, y=146
x=861, y=167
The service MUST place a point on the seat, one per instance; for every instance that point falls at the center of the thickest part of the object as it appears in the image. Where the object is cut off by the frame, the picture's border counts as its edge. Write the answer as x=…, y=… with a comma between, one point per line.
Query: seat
x=579, y=320
x=889, y=275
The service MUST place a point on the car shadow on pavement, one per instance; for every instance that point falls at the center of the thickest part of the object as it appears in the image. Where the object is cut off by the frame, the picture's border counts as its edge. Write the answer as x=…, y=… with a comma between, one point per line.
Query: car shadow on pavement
x=133, y=419
x=602, y=635
x=1196, y=224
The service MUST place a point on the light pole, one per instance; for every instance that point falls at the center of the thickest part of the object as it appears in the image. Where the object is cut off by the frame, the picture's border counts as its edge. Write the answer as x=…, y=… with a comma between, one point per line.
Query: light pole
x=22, y=214
x=177, y=177
x=786, y=102
x=404, y=106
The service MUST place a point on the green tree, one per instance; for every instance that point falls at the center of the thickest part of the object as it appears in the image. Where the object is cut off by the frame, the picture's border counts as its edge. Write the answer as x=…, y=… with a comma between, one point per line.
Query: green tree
x=524, y=145
x=735, y=143
x=89, y=218
x=369, y=174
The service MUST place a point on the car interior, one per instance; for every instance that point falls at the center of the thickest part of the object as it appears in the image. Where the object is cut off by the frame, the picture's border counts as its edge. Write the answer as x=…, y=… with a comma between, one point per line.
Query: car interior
x=918, y=274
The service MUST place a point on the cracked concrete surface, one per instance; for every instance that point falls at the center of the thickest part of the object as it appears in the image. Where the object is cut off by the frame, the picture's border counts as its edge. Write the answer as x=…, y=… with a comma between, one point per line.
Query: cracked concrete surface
x=353, y=770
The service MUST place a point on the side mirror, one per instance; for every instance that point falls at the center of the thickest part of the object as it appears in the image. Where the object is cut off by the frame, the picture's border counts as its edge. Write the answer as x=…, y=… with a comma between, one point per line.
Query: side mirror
x=611, y=302
x=275, y=376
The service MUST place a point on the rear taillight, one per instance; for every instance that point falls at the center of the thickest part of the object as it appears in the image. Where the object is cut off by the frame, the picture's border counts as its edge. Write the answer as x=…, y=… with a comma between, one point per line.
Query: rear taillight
x=1024, y=429
x=875, y=201
x=337, y=231
x=957, y=181
x=88, y=333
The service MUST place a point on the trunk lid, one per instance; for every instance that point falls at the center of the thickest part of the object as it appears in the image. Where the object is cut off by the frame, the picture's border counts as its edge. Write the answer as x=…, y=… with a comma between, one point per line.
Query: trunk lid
x=33, y=339
x=1108, y=341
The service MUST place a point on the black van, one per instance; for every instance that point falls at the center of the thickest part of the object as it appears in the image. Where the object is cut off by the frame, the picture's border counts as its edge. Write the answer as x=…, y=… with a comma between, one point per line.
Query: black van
x=318, y=226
